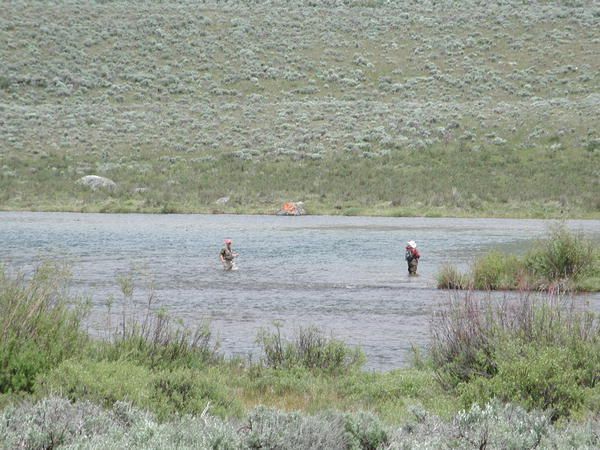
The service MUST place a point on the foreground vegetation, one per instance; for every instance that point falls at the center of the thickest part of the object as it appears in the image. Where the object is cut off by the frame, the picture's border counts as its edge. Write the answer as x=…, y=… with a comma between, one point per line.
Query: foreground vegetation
x=358, y=107
x=563, y=261
x=522, y=371
x=57, y=423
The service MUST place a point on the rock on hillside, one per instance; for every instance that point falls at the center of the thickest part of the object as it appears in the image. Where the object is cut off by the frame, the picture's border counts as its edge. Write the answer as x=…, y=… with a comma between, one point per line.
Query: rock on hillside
x=96, y=182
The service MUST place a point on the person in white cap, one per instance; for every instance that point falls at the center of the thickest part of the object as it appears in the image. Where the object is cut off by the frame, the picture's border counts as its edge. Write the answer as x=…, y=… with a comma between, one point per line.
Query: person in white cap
x=412, y=256
x=227, y=255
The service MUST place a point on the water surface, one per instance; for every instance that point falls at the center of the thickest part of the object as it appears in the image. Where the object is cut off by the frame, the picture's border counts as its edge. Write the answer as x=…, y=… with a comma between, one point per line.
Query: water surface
x=344, y=274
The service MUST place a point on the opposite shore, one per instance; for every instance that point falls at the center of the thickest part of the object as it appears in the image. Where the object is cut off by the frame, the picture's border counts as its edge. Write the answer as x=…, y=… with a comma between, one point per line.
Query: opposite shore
x=109, y=207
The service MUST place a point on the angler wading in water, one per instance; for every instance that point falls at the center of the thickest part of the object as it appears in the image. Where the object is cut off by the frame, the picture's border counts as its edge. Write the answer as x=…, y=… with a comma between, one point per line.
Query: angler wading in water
x=227, y=256
x=412, y=256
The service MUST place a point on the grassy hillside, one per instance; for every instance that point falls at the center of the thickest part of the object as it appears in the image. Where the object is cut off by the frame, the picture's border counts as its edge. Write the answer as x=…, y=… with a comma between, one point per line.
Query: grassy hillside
x=399, y=108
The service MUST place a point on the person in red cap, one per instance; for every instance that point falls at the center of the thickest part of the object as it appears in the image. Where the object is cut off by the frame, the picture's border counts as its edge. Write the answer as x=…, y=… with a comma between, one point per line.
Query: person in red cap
x=412, y=256
x=227, y=255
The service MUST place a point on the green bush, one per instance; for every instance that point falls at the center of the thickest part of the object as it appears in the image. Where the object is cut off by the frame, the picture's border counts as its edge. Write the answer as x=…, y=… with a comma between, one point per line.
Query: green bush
x=450, y=277
x=164, y=392
x=588, y=284
x=309, y=348
x=496, y=270
x=591, y=402
x=462, y=345
x=39, y=325
x=104, y=382
x=563, y=255
x=543, y=379
x=366, y=431
x=539, y=352
x=160, y=344
x=189, y=391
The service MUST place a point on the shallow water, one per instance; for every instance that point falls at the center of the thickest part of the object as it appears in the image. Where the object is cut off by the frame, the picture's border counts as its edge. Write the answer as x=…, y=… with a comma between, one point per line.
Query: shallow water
x=344, y=274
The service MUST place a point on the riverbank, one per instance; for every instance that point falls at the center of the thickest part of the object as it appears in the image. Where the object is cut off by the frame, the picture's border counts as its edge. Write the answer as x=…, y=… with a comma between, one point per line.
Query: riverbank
x=551, y=211
x=440, y=182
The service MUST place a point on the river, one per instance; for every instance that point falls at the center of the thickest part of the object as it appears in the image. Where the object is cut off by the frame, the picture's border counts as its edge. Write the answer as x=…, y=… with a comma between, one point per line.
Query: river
x=346, y=275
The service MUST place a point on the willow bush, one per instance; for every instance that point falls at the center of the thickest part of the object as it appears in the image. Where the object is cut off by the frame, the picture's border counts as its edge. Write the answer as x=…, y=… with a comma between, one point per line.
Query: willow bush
x=39, y=325
x=540, y=351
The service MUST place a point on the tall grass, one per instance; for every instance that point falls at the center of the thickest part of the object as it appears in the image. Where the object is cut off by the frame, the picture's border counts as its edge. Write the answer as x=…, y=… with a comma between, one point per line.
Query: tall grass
x=39, y=325
x=309, y=348
x=152, y=337
x=449, y=277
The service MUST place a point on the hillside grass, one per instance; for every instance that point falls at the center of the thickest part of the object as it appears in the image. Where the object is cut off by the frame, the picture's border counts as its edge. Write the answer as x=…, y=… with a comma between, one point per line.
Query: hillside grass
x=387, y=108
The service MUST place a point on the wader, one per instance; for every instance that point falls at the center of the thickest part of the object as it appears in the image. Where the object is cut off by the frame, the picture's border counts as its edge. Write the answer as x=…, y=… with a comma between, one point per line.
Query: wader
x=227, y=259
x=412, y=266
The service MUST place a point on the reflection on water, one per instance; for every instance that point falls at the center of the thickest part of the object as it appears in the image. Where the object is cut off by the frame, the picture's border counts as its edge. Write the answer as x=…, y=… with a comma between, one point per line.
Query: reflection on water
x=344, y=274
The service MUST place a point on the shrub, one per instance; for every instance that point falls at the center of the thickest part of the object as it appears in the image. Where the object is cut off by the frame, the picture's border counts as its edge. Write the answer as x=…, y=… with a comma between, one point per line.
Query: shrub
x=39, y=324
x=462, y=340
x=498, y=425
x=588, y=284
x=541, y=351
x=159, y=343
x=165, y=393
x=366, y=431
x=563, y=261
x=104, y=382
x=50, y=423
x=494, y=426
x=449, y=277
x=269, y=428
x=563, y=255
x=188, y=391
x=56, y=422
x=496, y=270
x=542, y=379
x=309, y=348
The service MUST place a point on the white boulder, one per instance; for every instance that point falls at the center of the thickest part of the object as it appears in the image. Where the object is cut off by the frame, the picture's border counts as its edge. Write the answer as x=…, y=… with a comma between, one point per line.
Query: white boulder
x=95, y=182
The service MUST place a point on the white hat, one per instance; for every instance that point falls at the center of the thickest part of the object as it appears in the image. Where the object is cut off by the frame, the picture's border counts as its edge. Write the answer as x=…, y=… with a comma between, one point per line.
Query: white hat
x=412, y=244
